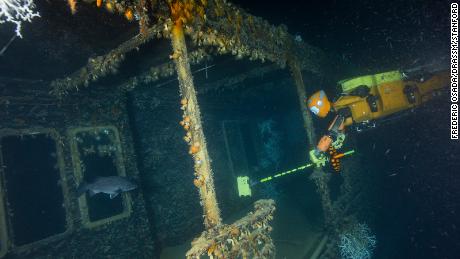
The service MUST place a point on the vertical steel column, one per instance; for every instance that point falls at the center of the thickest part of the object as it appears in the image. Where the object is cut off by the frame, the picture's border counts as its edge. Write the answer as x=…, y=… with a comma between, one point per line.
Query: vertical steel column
x=192, y=123
x=322, y=179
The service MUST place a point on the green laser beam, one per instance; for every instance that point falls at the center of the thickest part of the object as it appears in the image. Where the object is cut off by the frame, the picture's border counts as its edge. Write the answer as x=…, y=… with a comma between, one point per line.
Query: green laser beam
x=266, y=179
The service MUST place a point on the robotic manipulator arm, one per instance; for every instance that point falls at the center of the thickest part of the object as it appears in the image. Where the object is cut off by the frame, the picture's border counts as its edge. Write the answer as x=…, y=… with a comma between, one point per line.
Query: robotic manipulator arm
x=334, y=137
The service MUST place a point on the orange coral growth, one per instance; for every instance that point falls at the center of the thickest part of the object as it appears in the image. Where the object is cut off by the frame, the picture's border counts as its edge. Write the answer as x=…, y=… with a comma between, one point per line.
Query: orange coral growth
x=176, y=10
x=98, y=3
x=129, y=14
x=187, y=119
x=195, y=148
x=198, y=182
x=73, y=5
x=185, y=124
x=109, y=6
x=183, y=101
x=184, y=11
x=212, y=248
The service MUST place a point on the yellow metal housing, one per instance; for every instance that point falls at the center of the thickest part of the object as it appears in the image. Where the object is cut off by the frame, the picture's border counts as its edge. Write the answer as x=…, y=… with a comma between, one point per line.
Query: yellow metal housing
x=370, y=81
x=390, y=95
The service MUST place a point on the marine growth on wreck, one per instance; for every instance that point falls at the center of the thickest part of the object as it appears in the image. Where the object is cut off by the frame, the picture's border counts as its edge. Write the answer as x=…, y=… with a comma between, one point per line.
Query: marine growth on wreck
x=197, y=129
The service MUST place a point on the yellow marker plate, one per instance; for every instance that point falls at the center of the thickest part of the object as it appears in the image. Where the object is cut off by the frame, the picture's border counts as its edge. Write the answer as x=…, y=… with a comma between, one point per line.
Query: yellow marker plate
x=243, y=186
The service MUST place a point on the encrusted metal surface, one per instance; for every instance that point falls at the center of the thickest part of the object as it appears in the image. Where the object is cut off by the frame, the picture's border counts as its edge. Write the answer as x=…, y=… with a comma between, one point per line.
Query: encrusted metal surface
x=213, y=27
x=195, y=137
x=218, y=24
x=27, y=108
x=248, y=237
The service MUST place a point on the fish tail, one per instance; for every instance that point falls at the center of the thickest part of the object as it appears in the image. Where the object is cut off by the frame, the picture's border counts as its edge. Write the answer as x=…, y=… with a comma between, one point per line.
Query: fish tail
x=82, y=188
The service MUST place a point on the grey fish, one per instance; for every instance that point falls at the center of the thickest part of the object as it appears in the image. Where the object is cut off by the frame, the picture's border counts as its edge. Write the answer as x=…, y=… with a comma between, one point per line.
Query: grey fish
x=112, y=185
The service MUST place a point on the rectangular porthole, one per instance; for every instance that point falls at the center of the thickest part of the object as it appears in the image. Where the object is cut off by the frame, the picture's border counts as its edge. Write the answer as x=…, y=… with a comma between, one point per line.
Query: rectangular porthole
x=96, y=152
x=32, y=190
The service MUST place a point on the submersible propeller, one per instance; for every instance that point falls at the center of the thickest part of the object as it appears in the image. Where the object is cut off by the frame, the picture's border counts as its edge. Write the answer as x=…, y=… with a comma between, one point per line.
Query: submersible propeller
x=244, y=183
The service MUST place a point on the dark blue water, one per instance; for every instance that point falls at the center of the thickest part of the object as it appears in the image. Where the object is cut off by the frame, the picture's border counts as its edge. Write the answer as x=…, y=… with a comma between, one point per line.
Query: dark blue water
x=33, y=187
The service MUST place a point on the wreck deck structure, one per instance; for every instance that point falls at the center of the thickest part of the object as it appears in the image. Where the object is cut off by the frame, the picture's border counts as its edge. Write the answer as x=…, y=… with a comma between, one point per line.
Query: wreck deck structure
x=89, y=113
